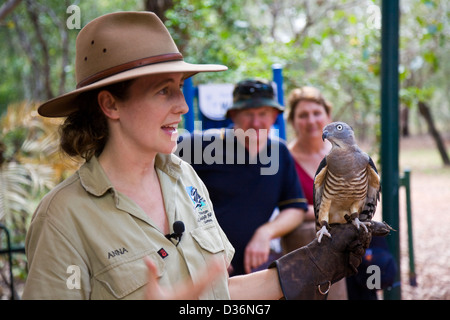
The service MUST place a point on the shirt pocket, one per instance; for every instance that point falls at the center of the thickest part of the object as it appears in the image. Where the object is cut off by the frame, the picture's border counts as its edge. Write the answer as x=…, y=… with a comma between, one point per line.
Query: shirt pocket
x=124, y=279
x=208, y=238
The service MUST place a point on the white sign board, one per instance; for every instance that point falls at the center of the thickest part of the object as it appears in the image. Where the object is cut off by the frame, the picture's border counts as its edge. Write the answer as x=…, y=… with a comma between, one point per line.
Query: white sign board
x=215, y=99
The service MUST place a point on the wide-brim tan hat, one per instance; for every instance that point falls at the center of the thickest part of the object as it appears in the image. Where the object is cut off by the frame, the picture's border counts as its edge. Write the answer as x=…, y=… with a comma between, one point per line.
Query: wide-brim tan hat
x=118, y=47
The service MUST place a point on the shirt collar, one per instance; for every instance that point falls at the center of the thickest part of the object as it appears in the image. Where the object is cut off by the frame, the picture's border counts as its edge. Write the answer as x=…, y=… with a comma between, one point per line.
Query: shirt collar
x=95, y=181
x=169, y=164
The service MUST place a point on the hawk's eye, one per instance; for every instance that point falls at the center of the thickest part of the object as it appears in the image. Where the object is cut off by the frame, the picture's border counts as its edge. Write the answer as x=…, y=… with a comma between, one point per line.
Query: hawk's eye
x=339, y=127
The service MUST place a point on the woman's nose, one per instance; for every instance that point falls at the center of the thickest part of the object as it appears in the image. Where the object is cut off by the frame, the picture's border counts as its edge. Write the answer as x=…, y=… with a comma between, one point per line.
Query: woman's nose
x=181, y=105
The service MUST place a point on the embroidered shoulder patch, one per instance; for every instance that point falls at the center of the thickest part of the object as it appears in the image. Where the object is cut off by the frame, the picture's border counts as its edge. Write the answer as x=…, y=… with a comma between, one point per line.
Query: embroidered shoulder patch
x=200, y=205
x=196, y=198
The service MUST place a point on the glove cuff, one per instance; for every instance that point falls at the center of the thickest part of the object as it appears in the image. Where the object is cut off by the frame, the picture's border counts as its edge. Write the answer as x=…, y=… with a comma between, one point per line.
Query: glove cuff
x=308, y=272
x=301, y=277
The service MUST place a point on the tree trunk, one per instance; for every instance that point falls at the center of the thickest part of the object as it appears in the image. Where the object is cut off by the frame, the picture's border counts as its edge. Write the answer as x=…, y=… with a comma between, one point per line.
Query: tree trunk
x=159, y=7
x=8, y=7
x=404, y=121
x=424, y=110
x=33, y=13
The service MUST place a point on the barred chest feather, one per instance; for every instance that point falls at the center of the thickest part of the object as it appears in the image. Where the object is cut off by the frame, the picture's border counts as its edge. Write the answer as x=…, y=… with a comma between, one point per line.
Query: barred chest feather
x=340, y=187
x=349, y=181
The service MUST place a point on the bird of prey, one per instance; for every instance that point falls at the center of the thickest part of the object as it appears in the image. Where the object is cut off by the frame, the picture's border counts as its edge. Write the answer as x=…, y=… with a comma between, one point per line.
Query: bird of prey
x=346, y=184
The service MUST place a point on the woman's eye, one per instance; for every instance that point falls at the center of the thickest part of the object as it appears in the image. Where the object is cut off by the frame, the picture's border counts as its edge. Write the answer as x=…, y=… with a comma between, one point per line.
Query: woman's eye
x=163, y=91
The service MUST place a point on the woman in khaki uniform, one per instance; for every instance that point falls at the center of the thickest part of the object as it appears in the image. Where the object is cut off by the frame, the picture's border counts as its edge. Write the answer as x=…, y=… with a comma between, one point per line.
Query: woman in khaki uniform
x=134, y=214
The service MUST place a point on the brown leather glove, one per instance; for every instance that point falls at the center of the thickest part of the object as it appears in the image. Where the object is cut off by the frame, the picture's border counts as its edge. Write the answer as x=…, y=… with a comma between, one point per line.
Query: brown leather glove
x=308, y=272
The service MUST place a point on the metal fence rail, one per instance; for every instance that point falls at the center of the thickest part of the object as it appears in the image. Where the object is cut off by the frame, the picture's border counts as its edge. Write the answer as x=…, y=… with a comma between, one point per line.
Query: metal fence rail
x=9, y=251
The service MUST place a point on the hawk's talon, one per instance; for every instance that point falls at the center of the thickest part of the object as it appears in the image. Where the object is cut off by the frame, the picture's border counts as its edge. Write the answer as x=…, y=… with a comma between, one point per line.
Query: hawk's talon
x=357, y=223
x=323, y=231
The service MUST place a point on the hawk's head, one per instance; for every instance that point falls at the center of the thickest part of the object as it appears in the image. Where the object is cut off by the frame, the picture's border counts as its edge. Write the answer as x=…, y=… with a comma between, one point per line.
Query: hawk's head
x=339, y=134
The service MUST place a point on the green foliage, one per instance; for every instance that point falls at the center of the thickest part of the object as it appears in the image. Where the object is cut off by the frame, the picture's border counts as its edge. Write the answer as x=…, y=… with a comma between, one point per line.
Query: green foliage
x=334, y=45
x=337, y=52
x=21, y=179
x=30, y=165
x=37, y=46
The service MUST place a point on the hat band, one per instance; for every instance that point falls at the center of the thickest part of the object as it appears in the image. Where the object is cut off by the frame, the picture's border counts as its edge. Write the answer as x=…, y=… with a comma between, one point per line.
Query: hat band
x=129, y=65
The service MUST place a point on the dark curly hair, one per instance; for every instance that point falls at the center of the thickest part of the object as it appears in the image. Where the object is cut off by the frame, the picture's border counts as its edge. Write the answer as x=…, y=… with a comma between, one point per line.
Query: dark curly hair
x=84, y=132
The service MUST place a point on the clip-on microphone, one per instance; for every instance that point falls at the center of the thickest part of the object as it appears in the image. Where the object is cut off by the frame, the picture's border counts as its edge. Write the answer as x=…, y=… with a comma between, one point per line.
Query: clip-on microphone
x=178, y=229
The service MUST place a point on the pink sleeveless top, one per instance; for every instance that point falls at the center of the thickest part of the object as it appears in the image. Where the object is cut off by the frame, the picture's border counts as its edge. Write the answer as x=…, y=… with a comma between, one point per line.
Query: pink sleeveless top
x=306, y=181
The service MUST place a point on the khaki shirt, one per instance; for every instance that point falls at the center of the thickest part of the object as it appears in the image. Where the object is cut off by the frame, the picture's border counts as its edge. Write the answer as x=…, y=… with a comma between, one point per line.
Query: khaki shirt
x=87, y=240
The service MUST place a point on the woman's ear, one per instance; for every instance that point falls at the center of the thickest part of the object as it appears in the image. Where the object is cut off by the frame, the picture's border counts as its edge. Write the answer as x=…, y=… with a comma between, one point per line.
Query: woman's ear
x=108, y=104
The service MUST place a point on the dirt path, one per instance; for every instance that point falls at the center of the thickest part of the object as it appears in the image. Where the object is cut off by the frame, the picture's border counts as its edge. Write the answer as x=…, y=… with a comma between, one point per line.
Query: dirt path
x=430, y=191
x=431, y=232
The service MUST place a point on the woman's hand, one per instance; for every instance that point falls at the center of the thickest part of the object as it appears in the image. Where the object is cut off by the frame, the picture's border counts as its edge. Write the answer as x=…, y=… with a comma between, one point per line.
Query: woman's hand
x=186, y=290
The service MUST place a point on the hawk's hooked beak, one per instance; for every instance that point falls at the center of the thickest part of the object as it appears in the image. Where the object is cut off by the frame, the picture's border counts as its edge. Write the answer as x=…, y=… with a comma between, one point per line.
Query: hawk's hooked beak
x=324, y=135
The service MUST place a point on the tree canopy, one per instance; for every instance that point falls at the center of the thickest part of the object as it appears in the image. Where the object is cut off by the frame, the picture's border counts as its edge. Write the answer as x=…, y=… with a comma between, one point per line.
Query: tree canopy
x=334, y=45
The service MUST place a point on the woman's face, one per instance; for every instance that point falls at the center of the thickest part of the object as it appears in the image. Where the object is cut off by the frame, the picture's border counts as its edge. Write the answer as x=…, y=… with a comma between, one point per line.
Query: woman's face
x=150, y=116
x=309, y=119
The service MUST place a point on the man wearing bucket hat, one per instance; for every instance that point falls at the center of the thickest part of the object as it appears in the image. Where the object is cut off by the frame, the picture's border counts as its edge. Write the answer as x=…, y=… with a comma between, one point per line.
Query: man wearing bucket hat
x=130, y=223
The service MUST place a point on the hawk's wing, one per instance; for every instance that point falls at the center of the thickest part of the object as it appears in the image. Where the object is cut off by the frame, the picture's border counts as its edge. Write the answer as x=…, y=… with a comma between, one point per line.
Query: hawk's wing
x=319, y=181
x=373, y=192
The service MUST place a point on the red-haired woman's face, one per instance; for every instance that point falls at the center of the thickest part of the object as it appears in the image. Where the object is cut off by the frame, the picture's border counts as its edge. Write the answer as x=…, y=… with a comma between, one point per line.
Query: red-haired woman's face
x=309, y=119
